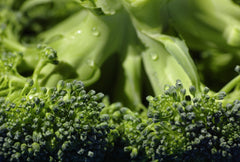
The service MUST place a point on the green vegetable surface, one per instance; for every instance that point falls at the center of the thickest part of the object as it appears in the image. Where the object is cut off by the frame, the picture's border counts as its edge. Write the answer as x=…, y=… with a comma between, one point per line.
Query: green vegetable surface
x=119, y=80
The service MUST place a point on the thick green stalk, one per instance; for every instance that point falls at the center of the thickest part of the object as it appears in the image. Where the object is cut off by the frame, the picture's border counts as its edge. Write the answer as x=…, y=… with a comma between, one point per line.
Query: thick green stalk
x=206, y=23
x=75, y=46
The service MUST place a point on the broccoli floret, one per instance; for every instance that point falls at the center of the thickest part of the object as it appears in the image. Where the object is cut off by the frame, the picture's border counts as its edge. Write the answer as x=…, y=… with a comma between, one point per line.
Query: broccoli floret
x=186, y=127
x=10, y=79
x=48, y=124
x=57, y=124
x=124, y=121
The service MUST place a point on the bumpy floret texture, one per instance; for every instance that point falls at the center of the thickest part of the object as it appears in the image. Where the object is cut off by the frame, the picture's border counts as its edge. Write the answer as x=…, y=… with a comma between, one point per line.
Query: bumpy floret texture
x=183, y=127
x=124, y=121
x=57, y=124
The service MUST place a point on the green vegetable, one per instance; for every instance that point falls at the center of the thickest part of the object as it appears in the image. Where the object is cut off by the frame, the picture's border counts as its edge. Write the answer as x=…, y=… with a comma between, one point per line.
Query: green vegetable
x=88, y=30
x=49, y=124
x=57, y=124
x=210, y=23
x=150, y=59
x=11, y=80
x=211, y=28
x=181, y=127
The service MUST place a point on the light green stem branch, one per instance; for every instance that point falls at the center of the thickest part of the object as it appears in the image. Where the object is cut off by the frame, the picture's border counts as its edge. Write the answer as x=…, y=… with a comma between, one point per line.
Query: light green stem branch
x=229, y=86
x=12, y=45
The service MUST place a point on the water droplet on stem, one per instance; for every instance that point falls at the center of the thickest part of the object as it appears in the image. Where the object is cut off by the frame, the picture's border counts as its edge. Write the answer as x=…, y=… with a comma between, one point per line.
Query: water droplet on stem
x=154, y=56
x=95, y=32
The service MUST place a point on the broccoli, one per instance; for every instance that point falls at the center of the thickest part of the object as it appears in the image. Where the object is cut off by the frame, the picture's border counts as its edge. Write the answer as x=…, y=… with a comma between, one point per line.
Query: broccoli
x=232, y=88
x=212, y=31
x=160, y=49
x=56, y=124
x=210, y=24
x=125, y=133
x=49, y=124
x=11, y=79
x=57, y=55
x=66, y=43
x=182, y=127
x=150, y=50
x=216, y=65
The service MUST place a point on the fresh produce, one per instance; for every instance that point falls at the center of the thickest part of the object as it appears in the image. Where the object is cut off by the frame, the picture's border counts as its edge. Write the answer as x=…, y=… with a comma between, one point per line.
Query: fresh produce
x=123, y=80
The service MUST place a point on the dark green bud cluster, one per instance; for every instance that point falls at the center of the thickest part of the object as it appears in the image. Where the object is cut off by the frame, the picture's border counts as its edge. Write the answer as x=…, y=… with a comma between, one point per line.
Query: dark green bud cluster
x=57, y=124
x=182, y=127
x=125, y=136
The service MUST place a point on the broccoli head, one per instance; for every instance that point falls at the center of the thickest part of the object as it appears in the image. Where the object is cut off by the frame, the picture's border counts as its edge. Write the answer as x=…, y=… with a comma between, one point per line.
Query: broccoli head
x=186, y=127
x=55, y=124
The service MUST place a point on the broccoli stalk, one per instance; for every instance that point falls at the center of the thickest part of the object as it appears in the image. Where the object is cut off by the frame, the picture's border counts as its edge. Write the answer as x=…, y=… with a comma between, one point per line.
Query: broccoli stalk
x=129, y=79
x=77, y=60
x=227, y=88
x=74, y=44
x=232, y=88
x=165, y=58
x=207, y=24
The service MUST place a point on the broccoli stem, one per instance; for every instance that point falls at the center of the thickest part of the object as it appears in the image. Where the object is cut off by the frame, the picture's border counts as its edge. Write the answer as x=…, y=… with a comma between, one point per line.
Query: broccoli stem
x=38, y=69
x=12, y=45
x=15, y=82
x=230, y=85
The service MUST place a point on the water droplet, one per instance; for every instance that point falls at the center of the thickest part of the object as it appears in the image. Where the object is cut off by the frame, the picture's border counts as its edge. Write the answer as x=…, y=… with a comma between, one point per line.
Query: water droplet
x=111, y=12
x=154, y=56
x=91, y=63
x=95, y=32
x=79, y=32
x=30, y=97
